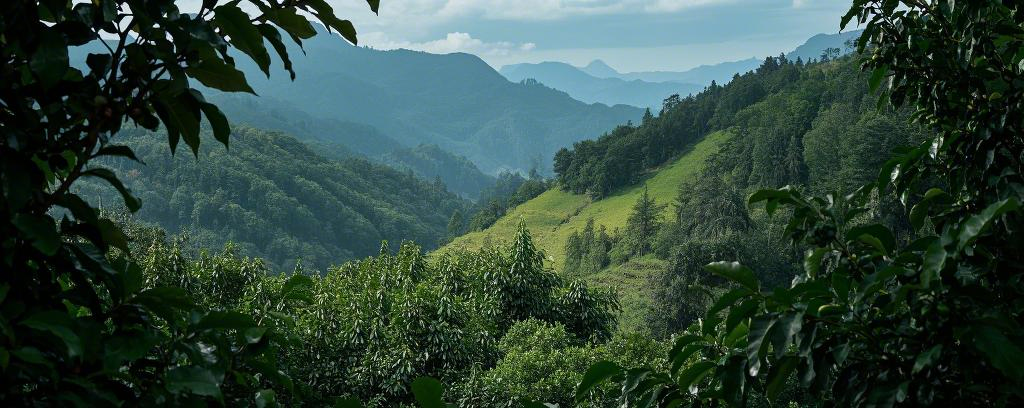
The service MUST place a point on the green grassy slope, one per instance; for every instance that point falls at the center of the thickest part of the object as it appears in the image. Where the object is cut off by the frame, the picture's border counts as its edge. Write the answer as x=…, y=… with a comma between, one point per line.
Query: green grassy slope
x=555, y=214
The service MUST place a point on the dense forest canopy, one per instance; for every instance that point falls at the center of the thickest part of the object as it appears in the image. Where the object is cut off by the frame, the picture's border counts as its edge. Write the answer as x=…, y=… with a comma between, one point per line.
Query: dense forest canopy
x=276, y=198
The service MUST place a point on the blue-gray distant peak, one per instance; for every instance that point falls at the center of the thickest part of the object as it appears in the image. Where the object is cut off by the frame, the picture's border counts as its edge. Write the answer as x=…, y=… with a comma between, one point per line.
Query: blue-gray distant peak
x=600, y=69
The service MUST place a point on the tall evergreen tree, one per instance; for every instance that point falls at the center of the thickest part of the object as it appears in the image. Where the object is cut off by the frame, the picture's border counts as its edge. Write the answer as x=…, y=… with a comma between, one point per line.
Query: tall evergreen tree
x=643, y=223
x=575, y=250
x=456, y=224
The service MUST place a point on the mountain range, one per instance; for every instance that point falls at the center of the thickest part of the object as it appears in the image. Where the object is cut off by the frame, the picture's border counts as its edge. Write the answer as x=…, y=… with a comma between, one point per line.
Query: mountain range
x=454, y=101
x=589, y=88
x=598, y=82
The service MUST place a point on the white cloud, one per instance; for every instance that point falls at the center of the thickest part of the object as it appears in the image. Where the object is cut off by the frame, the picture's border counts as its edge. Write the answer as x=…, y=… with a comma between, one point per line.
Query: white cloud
x=671, y=6
x=452, y=42
x=518, y=10
x=799, y=3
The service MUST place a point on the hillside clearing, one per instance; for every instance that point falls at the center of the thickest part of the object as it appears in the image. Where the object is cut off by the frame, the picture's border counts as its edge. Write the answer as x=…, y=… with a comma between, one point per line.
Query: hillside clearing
x=555, y=214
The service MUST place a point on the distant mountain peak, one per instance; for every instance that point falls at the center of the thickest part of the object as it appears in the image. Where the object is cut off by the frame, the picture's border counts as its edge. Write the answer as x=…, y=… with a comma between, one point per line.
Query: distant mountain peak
x=600, y=69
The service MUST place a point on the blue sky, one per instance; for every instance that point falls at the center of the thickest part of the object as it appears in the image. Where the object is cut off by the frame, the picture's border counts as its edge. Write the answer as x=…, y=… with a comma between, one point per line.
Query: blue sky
x=630, y=35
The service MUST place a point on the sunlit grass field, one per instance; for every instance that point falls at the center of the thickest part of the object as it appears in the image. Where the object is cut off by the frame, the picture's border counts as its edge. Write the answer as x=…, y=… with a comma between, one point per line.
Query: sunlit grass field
x=555, y=214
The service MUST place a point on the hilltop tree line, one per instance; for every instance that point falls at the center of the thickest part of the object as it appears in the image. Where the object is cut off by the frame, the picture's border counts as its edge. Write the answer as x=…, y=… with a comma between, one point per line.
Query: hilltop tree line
x=623, y=156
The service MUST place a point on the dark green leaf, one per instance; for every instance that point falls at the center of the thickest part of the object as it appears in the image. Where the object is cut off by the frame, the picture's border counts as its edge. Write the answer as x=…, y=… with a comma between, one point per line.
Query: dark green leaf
x=293, y=23
x=225, y=320
x=296, y=287
x=325, y=13
x=59, y=324
x=979, y=222
x=595, y=375
x=691, y=376
x=876, y=235
x=40, y=230
x=934, y=261
x=242, y=33
x=784, y=330
x=118, y=151
x=877, y=76
x=347, y=403
x=214, y=73
x=736, y=273
x=274, y=37
x=219, y=122
x=193, y=380
x=756, y=346
x=133, y=204
x=50, y=60
x=927, y=358
x=1002, y=353
x=778, y=375
x=729, y=299
x=112, y=234
x=428, y=392
x=680, y=358
x=812, y=261
x=265, y=398
x=741, y=313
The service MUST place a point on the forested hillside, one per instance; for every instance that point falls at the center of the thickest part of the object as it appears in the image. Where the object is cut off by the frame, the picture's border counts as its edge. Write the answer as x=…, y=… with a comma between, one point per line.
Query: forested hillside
x=431, y=162
x=276, y=198
x=814, y=126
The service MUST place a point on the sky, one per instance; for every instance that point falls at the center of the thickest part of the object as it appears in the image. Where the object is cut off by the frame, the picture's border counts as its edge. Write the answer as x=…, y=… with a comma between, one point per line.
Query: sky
x=629, y=35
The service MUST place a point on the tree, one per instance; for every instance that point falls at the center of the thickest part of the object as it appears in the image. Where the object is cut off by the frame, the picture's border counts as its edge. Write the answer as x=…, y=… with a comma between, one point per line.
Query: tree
x=80, y=326
x=874, y=320
x=456, y=224
x=643, y=223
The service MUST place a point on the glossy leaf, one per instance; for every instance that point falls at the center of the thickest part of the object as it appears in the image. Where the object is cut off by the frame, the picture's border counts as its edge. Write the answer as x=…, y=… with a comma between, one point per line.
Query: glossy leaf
x=736, y=273
x=596, y=375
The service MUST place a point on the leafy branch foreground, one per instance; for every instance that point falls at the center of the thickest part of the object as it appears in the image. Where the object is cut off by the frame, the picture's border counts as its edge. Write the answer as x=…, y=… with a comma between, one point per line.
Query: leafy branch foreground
x=873, y=321
x=75, y=327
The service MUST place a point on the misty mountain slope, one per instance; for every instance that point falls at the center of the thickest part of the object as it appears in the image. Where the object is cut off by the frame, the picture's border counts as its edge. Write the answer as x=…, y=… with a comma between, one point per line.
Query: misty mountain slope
x=431, y=162
x=592, y=89
x=455, y=101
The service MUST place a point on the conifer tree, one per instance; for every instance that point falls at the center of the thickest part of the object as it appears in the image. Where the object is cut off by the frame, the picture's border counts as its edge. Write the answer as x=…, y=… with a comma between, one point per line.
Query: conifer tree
x=643, y=223
x=574, y=253
x=456, y=224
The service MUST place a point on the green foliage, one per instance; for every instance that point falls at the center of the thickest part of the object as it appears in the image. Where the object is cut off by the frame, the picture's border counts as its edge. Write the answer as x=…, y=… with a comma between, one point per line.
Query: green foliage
x=544, y=362
x=368, y=329
x=878, y=317
x=642, y=225
x=79, y=328
x=277, y=198
x=587, y=252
